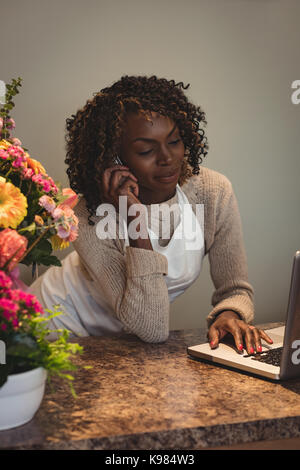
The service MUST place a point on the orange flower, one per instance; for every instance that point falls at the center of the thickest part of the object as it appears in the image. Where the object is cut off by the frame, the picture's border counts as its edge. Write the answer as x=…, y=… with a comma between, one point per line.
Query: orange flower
x=13, y=205
x=36, y=166
x=72, y=199
x=12, y=247
x=38, y=220
x=4, y=144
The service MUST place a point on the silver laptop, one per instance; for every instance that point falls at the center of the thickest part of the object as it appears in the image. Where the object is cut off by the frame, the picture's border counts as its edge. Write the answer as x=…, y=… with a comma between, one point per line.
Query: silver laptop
x=279, y=361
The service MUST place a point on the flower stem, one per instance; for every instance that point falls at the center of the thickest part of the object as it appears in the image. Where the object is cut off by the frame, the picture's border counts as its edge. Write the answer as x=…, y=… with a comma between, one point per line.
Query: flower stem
x=29, y=188
x=34, y=243
x=8, y=173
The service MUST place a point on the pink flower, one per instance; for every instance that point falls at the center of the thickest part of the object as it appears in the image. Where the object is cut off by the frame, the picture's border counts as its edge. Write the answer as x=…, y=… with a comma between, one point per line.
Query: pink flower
x=47, y=203
x=38, y=307
x=9, y=308
x=30, y=300
x=63, y=231
x=38, y=179
x=16, y=151
x=45, y=182
x=16, y=141
x=12, y=248
x=1, y=123
x=69, y=214
x=5, y=281
x=15, y=323
x=66, y=223
x=18, y=162
x=54, y=188
x=58, y=213
x=46, y=186
x=73, y=233
x=4, y=154
x=28, y=173
x=11, y=123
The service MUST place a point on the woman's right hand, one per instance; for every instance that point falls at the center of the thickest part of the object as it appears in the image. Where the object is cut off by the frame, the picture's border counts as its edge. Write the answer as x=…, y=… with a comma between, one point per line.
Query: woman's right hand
x=119, y=181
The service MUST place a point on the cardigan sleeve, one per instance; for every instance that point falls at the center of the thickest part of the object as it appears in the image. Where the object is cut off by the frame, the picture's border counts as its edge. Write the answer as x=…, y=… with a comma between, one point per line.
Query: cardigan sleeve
x=227, y=257
x=132, y=283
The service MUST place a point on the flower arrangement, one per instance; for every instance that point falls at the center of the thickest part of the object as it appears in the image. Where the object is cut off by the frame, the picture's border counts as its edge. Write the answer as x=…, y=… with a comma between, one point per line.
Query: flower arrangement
x=24, y=331
x=30, y=201
x=36, y=218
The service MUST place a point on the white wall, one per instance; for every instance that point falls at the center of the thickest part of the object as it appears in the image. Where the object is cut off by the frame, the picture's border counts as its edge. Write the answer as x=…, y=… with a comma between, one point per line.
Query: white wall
x=240, y=57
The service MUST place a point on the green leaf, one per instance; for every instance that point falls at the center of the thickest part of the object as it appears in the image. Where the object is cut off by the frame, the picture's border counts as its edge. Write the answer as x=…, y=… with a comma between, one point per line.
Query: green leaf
x=31, y=228
x=49, y=261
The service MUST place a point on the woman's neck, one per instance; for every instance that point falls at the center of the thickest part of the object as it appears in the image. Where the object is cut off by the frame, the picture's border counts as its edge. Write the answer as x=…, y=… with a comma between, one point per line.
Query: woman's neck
x=147, y=198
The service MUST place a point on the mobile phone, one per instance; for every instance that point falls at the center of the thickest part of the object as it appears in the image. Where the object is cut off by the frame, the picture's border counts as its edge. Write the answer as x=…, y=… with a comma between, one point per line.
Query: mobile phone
x=118, y=161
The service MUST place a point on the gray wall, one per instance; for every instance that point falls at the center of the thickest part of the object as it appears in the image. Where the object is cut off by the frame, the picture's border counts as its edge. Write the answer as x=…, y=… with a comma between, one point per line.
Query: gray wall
x=240, y=57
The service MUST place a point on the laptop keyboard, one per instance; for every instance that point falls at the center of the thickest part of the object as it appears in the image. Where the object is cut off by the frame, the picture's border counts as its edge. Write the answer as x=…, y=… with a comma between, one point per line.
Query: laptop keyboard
x=272, y=356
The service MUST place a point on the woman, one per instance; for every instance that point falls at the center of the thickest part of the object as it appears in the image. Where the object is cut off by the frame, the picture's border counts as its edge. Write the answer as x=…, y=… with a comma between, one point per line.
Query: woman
x=142, y=139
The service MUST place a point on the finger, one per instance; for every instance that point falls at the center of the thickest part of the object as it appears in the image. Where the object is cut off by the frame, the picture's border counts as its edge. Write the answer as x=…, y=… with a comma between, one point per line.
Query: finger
x=118, y=176
x=256, y=337
x=107, y=175
x=264, y=336
x=108, y=171
x=249, y=340
x=117, y=179
x=213, y=337
x=116, y=167
x=129, y=186
x=238, y=337
x=119, y=168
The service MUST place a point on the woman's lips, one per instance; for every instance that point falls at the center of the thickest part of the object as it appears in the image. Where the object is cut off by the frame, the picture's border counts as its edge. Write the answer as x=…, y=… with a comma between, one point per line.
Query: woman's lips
x=169, y=178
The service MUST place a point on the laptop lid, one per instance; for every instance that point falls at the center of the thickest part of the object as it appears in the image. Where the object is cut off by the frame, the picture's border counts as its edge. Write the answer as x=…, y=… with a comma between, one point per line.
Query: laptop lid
x=290, y=359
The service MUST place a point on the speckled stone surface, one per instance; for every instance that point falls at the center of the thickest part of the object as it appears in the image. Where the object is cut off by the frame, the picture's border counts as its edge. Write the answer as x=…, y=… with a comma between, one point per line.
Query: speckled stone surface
x=153, y=396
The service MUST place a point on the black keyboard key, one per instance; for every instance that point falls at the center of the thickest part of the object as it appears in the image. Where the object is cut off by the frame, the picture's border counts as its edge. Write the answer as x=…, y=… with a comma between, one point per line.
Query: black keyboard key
x=272, y=356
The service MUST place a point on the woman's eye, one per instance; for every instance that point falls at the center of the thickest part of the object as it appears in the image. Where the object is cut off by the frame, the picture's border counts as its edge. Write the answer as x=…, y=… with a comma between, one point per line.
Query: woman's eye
x=146, y=152
x=174, y=142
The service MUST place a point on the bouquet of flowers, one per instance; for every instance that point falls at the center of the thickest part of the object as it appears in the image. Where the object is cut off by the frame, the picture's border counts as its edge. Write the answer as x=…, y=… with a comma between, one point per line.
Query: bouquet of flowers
x=33, y=209
x=36, y=217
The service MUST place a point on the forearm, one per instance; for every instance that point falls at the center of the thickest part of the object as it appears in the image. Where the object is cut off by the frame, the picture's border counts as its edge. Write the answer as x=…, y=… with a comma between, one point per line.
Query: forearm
x=228, y=265
x=130, y=281
x=144, y=305
x=142, y=241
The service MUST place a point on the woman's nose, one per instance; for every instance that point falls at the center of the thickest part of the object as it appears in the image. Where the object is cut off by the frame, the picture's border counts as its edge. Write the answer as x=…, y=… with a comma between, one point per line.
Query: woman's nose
x=164, y=156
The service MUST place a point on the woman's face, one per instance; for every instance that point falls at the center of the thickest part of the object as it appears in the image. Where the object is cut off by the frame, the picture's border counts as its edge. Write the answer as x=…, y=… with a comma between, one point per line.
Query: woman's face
x=154, y=152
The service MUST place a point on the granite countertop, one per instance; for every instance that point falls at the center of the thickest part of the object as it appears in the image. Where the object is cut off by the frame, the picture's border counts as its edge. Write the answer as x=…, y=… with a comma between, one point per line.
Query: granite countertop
x=154, y=396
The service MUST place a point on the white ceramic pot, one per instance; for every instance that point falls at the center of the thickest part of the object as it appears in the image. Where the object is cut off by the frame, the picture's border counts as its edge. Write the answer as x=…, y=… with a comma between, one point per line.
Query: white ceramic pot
x=21, y=396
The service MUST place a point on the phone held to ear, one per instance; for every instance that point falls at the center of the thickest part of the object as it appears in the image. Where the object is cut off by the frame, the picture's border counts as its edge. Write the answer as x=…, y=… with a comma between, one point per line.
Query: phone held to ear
x=118, y=161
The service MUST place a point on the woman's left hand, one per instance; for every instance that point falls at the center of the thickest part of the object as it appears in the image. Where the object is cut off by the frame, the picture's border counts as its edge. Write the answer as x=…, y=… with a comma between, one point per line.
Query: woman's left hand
x=229, y=322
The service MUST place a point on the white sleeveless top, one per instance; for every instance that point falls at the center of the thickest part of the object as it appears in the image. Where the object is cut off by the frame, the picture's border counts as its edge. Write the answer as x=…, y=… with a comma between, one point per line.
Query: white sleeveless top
x=87, y=312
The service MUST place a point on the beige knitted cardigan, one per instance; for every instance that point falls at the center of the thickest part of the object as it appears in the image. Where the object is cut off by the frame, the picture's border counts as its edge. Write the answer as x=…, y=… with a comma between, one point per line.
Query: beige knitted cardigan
x=132, y=279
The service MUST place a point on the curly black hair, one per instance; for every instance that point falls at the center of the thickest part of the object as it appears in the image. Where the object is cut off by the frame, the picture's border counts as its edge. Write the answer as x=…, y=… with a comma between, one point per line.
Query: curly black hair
x=94, y=132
